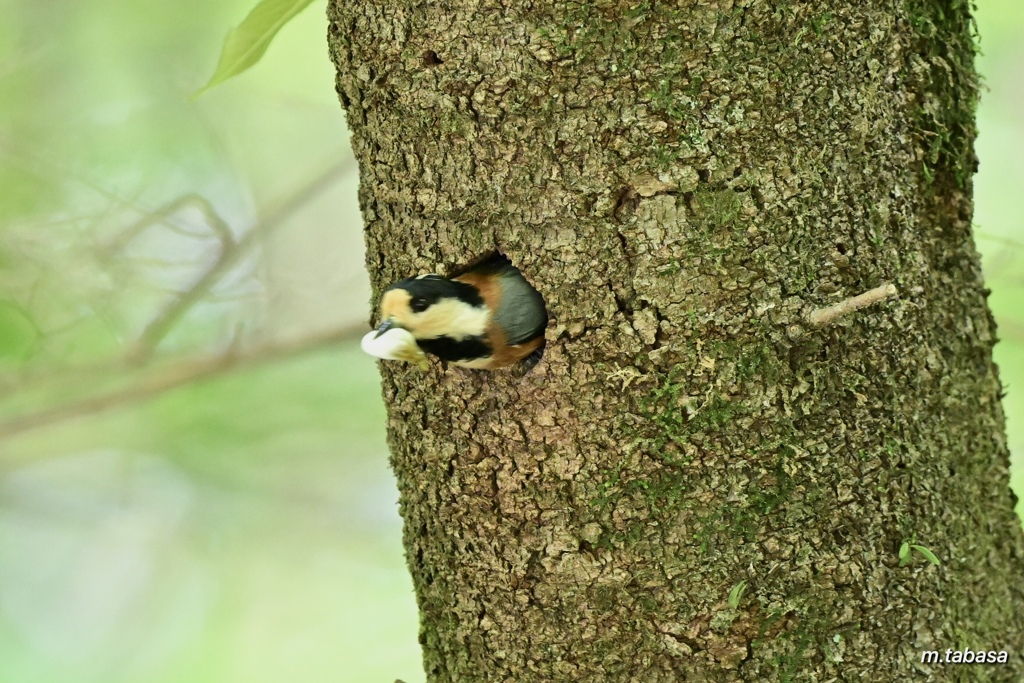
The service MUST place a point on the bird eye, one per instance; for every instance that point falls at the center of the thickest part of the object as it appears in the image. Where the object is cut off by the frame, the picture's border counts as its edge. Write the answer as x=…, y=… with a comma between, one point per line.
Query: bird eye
x=418, y=304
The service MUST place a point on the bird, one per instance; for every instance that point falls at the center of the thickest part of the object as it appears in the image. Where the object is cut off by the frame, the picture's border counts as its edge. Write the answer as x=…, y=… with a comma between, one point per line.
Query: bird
x=487, y=317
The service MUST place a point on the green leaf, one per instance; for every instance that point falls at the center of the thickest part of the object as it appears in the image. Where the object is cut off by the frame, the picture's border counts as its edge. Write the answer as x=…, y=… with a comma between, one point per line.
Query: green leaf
x=246, y=43
x=736, y=594
x=18, y=333
x=904, y=553
x=928, y=554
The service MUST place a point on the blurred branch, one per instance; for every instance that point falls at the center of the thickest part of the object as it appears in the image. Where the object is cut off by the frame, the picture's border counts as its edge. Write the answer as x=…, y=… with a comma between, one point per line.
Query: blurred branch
x=163, y=216
x=230, y=253
x=1011, y=331
x=178, y=374
x=999, y=239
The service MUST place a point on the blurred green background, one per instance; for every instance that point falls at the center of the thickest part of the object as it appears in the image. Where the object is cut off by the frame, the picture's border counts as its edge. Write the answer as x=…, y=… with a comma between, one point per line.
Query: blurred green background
x=241, y=528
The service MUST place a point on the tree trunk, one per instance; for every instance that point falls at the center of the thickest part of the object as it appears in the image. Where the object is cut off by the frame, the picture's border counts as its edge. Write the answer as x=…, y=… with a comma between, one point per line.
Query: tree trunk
x=696, y=483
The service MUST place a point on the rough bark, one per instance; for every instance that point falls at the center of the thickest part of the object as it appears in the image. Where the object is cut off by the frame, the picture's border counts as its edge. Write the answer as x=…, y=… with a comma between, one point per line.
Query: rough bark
x=684, y=182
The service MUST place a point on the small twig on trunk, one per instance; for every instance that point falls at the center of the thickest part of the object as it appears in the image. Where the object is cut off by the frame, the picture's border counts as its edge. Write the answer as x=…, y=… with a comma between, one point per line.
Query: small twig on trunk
x=826, y=316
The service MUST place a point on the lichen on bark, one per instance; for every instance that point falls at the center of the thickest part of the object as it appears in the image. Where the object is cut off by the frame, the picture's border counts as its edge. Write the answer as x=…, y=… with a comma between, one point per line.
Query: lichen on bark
x=683, y=182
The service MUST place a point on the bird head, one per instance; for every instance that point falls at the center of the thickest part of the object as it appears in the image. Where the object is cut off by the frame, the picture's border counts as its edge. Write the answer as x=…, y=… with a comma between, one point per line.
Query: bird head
x=431, y=306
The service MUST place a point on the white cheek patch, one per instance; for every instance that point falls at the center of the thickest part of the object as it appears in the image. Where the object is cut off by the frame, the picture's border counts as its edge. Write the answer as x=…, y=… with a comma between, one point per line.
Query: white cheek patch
x=451, y=318
x=395, y=344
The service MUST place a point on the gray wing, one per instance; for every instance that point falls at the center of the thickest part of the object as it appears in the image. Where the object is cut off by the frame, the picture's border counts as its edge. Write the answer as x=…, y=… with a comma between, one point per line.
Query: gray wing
x=521, y=312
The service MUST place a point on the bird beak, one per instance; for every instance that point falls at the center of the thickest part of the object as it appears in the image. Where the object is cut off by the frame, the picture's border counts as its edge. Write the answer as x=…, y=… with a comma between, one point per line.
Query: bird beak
x=384, y=327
